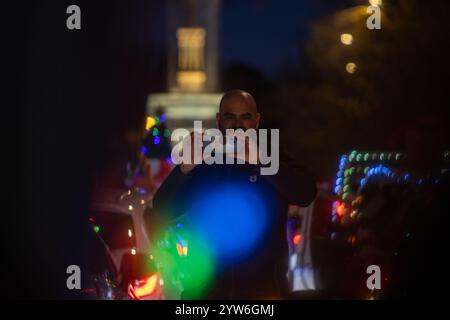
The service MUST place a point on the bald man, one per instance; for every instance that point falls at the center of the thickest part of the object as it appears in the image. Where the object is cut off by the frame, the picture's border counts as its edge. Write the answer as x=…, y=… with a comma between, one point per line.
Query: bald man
x=252, y=263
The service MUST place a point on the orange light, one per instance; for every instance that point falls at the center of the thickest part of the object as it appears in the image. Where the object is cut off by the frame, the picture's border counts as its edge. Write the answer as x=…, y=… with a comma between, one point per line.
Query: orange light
x=340, y=210
x=146, y=287
x=297, y=238
x=179, y=249
x=182, y=251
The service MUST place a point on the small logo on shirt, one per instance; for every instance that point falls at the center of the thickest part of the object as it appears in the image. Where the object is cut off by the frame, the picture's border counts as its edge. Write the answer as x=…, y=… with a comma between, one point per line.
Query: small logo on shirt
x=253, y=178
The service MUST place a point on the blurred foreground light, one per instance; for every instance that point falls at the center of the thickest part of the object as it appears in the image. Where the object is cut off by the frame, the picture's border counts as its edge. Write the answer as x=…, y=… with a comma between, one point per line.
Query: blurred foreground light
x=238, y=207
x=350, y=67
x=198, y=268
x=133, y=252
x=376, y=3
x=150, y=123
x=347, y=39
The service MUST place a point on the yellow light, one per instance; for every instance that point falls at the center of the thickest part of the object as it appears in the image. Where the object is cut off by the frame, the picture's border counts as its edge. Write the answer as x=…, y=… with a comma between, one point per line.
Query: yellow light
x=182, y=251
x=376, y=3
x=150, y=123
x=191, y=80
x=130, y=207
x=347, y=39
x=350, y=67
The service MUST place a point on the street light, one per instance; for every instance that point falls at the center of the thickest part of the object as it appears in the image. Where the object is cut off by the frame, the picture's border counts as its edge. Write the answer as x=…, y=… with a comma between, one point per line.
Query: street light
x=347, y=39
x=351, y=67
x=375, y=3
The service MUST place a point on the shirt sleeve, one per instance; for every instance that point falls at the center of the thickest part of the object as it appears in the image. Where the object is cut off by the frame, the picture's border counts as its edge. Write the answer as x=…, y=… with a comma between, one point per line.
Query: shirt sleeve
x=169, y=200
x=294, y=182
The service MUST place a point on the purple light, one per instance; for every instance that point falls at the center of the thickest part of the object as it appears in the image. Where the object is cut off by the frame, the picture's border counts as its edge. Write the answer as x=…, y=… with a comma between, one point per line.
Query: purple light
x=157, y=140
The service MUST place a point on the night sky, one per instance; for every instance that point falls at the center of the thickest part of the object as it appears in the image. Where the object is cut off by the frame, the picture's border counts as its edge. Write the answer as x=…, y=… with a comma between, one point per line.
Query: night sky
x=269, y=35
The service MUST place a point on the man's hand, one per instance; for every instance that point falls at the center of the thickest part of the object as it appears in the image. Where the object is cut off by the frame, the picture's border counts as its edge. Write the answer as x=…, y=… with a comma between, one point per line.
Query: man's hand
x=250, y=152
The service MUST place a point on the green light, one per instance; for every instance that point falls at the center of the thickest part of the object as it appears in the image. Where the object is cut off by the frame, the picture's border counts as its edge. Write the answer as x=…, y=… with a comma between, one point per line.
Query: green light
x=397, y=156
x=96, y=229
x=166, y=133
x=157, y=120
x=346, y=187
x=155, y=132
x=359, y=157
x=345, y=195
x=366, y=169
x=346, y=180
x=389, y=157
x=194, y=271
x=366, y=157
x=382, y=156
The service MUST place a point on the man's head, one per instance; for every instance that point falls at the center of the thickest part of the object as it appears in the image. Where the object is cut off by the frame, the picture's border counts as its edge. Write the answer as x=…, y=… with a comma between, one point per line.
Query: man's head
x=237, y=111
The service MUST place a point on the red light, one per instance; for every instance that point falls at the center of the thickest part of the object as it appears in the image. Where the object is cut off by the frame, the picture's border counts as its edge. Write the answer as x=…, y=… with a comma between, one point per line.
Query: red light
x=88, y=290
x=340, y=209
x=297, y=238
x=144, y=287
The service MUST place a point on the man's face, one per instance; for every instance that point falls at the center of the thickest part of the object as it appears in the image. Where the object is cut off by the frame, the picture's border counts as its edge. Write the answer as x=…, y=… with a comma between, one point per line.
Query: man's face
x=237, y=113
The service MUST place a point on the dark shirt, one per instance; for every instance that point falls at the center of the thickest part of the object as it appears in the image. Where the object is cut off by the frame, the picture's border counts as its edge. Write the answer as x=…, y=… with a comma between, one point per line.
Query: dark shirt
x=260, y=271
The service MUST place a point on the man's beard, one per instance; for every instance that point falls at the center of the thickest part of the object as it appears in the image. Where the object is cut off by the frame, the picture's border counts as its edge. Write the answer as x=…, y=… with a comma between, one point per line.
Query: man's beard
x=224, y=130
